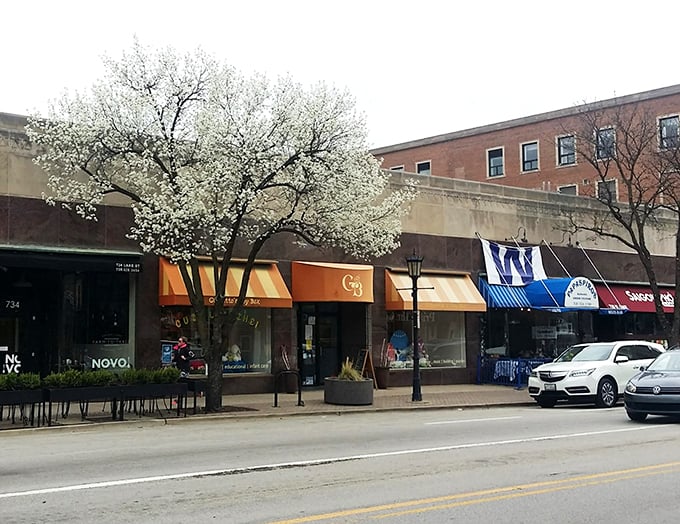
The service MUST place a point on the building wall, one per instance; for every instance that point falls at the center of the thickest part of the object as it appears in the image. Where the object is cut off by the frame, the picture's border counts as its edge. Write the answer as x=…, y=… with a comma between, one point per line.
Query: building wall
x=443, y=225
x=462, y=154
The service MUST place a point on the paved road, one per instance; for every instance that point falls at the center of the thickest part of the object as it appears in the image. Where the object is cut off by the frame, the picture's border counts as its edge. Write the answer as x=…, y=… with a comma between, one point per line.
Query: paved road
x=512, y=464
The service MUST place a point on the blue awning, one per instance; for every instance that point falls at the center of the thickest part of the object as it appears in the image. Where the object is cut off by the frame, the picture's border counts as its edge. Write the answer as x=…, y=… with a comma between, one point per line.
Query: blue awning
x=562, y=294
x=500, y=296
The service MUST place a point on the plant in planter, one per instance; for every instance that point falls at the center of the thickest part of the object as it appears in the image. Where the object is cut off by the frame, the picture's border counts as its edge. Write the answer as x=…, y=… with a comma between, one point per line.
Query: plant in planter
x=21, y=389
x=350, y=387
x=382, y=370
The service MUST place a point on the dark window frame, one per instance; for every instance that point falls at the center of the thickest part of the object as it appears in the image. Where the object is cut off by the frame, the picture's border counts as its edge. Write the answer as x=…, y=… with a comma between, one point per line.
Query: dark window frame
x=424, y=172
x=566, y=155
x=575, y=186
x=669, y=141
x=529, y=163
x=605, y=143
x=494, y=171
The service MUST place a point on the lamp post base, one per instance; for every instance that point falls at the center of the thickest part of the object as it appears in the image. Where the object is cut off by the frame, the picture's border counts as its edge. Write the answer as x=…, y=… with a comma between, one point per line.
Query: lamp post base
x=417, y=395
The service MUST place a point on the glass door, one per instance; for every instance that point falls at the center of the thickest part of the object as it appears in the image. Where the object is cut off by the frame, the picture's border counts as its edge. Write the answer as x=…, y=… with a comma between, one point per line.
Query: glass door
x=318, y=342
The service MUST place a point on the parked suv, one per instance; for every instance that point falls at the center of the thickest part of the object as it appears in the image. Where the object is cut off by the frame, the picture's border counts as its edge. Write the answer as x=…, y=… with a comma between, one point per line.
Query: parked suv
x=595, y=372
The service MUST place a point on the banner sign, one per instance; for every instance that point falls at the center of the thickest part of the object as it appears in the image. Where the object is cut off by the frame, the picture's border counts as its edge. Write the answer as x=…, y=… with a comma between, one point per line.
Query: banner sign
x=512, y=266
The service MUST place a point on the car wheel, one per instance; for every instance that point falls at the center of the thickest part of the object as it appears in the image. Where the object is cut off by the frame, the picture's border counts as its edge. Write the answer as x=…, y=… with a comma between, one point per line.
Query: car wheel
x=637, y=417
x=546, y=402
x=607, y=393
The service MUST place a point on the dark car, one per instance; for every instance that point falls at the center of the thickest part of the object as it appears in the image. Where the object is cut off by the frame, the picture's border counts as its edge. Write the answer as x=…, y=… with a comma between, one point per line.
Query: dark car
x=656, y=390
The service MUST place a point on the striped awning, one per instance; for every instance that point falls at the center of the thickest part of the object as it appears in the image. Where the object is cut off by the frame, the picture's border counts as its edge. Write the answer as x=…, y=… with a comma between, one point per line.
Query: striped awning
x=266, y=287
x=501, y=296
x=436, y=292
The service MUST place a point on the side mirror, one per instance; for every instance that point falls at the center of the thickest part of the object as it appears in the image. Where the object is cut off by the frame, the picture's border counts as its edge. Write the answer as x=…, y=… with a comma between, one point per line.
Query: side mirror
x=642, y=368
x=620, y=359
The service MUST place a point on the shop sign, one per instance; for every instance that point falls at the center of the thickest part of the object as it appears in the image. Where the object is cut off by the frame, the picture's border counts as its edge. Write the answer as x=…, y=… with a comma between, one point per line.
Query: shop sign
x=11, y=362
x=667, y=299
x=128, y=267
x=352, y=284
x=544, y=332
x=108, y=363
x=581, y=293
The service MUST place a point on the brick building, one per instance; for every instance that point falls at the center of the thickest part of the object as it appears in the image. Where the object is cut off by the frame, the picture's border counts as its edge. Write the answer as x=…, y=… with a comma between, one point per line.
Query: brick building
x=533, y=152
x=74, y=290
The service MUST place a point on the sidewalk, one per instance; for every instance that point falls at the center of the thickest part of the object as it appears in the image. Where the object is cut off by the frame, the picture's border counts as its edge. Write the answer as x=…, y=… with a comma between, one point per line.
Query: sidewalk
x=262, y=405
x=398, y=398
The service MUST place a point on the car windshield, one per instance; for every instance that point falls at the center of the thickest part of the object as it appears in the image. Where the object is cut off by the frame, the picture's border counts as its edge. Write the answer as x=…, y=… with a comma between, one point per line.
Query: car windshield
x=669, y=361
x=589, y=352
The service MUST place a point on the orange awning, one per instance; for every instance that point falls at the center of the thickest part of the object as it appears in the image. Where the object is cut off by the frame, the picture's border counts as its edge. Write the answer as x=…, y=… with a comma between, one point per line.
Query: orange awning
x=330, y=282
x=448, y=292
x=266, y=287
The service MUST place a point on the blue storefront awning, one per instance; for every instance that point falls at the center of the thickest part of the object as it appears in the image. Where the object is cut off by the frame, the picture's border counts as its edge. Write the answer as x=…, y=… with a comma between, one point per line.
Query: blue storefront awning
x=500, y=296
x=562, y=294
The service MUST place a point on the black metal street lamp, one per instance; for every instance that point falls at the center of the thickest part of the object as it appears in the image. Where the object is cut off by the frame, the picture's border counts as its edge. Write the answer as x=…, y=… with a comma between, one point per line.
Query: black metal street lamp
x=415, y=265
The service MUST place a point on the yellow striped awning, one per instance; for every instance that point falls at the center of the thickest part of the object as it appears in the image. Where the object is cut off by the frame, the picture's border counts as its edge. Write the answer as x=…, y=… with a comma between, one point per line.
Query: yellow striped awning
x=436, y=292
x=266, y=287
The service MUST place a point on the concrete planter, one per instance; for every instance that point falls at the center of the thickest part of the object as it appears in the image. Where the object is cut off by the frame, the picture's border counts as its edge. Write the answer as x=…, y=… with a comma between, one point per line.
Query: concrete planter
x=348, y=392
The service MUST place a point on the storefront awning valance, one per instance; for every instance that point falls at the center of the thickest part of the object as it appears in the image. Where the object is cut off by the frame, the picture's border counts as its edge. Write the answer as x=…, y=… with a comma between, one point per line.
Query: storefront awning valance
x=637, y=299
x=502, y=296
x=562, y=294
x=266, y=287
x=436, y=292
x=331, y=282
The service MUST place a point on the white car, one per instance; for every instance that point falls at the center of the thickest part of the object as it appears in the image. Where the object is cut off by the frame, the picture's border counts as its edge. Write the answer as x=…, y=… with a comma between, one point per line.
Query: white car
x=595, y=372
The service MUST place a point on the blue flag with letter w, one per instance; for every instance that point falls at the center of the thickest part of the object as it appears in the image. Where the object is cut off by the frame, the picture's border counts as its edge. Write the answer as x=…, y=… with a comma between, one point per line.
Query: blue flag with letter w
x=512, y=266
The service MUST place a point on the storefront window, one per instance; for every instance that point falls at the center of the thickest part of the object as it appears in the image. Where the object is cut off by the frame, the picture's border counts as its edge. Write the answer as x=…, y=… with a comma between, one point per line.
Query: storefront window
x=97, y=314
x=442, y=339
x=249, y=347
x=101, y=308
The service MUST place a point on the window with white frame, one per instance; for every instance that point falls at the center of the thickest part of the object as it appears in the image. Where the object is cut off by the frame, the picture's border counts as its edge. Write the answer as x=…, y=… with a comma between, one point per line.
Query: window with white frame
x=605, y=143
x=571, y=189
x=423, y=168
x=494, y=160
x=668, y=132
x=607, y=191
x=566, y=150
x=530, y=156
x=397, y=168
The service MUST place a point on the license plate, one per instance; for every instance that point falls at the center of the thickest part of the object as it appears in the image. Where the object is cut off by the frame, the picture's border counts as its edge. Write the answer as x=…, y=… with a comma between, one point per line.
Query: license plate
x=550, y=387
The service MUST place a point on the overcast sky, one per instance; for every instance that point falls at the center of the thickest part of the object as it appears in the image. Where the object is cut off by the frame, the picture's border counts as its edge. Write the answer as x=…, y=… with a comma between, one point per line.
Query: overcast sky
x=417, y=68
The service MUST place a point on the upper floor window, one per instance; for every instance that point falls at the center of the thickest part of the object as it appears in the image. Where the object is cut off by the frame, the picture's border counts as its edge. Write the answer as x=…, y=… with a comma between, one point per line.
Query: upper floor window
x=566, y=150
x=607, y=191
x=571, y=189
x=530, y=156
x=668, y=132
x=605, y=141
x=495, y=162
x=397, y=168
x=423, y=168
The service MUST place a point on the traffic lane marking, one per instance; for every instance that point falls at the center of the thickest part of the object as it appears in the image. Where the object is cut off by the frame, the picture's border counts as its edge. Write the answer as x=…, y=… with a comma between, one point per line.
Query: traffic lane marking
x=310, y=462
x=495, y=494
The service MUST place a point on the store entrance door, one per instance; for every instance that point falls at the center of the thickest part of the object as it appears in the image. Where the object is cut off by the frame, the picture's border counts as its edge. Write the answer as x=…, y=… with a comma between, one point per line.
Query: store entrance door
x=318, y=352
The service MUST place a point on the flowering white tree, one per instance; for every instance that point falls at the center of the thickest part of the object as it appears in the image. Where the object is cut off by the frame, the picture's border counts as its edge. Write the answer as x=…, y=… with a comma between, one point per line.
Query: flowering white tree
x=210, y=159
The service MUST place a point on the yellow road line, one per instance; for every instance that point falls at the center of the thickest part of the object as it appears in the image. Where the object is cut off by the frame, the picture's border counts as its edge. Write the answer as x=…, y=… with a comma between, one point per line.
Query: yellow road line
x=519, y=490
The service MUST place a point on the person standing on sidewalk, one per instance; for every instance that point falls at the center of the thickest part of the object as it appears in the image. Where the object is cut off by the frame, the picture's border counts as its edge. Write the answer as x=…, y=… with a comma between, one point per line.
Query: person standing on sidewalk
x=182, y=355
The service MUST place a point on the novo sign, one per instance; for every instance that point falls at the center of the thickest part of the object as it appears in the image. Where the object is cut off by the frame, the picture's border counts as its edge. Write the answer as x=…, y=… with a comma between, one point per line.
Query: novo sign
x=110, y=363
x=10, y=362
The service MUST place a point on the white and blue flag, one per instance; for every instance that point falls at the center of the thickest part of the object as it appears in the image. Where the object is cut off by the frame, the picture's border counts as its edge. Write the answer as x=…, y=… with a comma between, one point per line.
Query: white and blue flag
x=512, y=266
